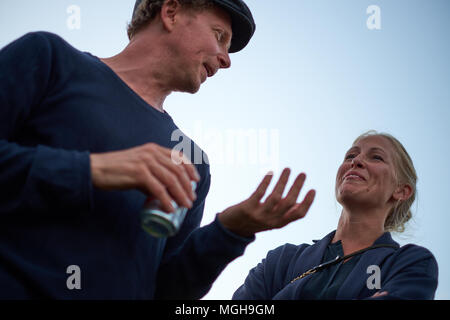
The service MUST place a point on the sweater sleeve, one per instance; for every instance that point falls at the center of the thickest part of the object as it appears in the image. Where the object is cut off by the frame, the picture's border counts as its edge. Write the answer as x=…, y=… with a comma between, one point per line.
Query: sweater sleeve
x=414, y=276
x=254, y=287
x=190, y=272
x=195, y=257
x=38, y=178
x=266, y=279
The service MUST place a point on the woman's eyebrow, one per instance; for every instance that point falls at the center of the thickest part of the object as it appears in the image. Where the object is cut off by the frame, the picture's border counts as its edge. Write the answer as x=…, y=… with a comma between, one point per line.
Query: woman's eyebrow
x=377, y=149
x=353, y=149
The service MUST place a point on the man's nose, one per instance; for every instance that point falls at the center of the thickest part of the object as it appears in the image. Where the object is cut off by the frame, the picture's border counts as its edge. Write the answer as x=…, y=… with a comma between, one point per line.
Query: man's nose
x=224, y=60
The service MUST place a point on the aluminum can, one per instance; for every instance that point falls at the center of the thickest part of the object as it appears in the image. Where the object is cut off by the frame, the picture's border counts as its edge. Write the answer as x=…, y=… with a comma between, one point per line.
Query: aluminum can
x=159, y=223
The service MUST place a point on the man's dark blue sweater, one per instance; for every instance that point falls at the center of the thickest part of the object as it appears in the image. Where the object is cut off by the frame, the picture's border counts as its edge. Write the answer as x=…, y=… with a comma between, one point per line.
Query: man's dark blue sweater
x=58, y=105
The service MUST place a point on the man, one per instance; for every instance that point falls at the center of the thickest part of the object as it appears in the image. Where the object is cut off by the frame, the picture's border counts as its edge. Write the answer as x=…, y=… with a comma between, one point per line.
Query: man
x=85, y=141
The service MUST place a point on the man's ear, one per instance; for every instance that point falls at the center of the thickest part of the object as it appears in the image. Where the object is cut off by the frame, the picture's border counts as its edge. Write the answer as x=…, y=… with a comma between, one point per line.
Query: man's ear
x=169, y=12
x=403, y=192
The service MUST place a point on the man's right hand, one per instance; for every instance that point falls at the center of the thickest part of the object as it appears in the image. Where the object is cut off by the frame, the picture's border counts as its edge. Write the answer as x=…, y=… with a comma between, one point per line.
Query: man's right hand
x=157, y=171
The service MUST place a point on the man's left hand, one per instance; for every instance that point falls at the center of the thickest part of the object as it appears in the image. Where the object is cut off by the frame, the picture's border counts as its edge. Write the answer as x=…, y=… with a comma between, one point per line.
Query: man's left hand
x=252, y=215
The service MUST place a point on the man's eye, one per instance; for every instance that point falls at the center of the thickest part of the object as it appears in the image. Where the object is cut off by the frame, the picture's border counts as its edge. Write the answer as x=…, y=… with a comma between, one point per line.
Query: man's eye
x=219, y=36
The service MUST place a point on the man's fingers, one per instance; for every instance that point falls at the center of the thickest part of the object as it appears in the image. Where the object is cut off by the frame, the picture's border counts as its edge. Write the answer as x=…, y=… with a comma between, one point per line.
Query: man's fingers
x=277, y=193
x=262, y=188
x=291, y=197
x=296, y=187
x=299, y=210
x=178, y=158
x=159, y=191
x=181, y=174
x=171, y=183
x=192, y=171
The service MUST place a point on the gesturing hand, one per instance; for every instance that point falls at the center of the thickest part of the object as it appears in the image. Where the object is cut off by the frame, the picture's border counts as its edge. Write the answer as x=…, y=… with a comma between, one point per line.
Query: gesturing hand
x=252, y=215
x=157, y=171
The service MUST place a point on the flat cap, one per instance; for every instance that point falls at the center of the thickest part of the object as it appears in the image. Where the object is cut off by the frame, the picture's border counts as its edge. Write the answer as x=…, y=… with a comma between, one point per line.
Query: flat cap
x=242, y=22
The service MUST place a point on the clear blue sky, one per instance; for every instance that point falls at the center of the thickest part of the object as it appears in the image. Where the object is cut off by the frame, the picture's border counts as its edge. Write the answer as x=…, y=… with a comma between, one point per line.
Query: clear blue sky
x=312, y=79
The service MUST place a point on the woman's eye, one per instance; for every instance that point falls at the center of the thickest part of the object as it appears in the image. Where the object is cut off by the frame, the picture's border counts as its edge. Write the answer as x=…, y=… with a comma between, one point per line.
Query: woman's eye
x=349, y=156
x=377, y=157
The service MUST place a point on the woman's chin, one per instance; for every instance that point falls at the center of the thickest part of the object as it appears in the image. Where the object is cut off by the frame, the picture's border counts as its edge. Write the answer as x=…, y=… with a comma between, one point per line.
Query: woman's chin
x=348, y=193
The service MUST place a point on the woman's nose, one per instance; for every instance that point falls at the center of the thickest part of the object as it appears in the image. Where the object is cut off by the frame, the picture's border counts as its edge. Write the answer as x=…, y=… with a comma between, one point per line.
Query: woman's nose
x=357, y=162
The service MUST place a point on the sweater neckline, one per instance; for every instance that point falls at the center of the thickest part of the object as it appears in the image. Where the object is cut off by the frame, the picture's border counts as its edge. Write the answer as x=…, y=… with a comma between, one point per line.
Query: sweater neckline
x=144, y=103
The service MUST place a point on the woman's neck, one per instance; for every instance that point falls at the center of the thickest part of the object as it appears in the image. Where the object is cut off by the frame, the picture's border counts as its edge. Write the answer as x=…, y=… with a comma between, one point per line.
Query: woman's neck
x=358, y=230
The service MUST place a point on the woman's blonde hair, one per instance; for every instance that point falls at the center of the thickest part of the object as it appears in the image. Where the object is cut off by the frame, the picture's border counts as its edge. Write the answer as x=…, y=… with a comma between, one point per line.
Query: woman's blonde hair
x=405, y=174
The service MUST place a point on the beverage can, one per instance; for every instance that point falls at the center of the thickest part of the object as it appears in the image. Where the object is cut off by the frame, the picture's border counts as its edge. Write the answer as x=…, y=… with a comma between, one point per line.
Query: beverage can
x=159, y=223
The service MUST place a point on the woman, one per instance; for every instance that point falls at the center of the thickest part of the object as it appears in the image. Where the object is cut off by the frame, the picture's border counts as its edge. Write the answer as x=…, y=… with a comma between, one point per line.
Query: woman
x=376, y=186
